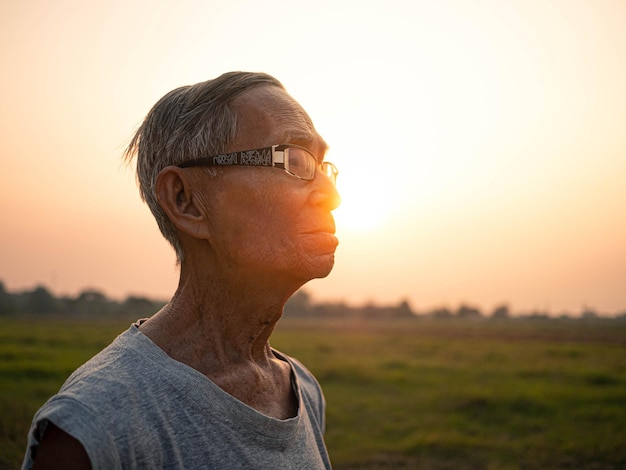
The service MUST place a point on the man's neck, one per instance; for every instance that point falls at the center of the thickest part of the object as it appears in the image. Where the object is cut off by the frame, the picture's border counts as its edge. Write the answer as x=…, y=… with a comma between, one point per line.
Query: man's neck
x=202, y=330
x=226, y=338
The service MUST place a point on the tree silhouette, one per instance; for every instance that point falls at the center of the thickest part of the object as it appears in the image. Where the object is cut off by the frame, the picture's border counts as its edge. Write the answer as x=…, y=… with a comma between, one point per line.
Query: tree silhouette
x=299, y=304
x=465, y=311
x=501, y=312
x=7, y=304
x=40, y=300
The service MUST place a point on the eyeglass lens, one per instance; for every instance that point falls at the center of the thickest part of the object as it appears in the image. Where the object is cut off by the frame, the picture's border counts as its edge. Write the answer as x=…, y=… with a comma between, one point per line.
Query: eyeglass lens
x=304, y=165
x=301, y=163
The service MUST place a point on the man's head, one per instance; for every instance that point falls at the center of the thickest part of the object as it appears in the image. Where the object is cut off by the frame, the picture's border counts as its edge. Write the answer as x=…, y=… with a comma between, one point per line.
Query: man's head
x=260, y=220
x=187, y=123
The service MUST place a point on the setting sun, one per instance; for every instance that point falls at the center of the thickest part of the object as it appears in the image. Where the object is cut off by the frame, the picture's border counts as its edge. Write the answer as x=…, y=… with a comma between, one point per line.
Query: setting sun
x=364, y=206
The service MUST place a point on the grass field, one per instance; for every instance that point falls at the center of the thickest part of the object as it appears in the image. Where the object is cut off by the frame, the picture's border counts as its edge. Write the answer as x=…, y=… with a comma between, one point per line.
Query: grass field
x=428, y=394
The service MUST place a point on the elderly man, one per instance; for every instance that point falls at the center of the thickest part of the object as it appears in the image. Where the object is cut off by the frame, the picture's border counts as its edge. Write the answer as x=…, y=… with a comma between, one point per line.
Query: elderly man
x=234, y=173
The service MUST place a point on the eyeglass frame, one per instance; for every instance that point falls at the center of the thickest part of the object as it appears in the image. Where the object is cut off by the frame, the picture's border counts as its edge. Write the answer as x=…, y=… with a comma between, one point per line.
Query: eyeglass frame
x=276, y=156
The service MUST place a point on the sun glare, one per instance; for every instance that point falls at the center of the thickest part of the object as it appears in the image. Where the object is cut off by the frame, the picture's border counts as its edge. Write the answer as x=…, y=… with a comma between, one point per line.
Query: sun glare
x=363, y=207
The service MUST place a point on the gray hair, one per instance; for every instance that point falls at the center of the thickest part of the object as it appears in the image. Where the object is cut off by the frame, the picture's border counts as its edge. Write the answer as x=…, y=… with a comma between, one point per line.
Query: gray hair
x=189, y=122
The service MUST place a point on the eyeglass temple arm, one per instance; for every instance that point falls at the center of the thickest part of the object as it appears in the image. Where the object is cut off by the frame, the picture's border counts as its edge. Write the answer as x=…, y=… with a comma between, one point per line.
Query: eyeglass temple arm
x=237, y=158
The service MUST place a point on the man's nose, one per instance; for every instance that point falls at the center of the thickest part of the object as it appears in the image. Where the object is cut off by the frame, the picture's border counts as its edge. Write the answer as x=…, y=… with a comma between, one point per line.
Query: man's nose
x=325, y=192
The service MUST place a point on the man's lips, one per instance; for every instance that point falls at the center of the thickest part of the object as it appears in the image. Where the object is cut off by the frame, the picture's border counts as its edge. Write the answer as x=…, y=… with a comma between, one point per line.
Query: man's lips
x=326, y=229
x=322, y=225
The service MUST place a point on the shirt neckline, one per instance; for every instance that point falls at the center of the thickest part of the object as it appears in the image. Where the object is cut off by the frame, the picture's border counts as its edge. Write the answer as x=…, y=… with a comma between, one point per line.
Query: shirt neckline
x=207, y=395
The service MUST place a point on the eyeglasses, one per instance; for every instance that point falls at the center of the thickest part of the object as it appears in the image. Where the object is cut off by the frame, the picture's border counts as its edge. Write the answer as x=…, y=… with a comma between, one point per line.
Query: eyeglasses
x=295, y=160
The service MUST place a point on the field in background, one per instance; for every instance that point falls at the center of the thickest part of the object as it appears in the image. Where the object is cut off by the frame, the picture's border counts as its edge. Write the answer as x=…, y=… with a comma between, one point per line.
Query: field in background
x=431, y=394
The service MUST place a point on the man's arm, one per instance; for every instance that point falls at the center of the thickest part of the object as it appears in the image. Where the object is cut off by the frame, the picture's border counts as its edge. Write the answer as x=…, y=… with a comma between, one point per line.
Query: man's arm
x=59, y=450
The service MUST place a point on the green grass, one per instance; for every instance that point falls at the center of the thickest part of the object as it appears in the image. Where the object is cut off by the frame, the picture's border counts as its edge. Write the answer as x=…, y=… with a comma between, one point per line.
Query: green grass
x=425, y=394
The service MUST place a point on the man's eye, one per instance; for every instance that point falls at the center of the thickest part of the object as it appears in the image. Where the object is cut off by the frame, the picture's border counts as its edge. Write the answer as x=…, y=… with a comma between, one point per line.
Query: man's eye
x=301, y=164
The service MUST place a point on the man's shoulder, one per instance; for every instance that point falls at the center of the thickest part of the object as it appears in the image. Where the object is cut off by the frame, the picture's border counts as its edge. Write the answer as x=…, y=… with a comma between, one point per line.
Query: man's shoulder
x=108, y=402
x=117, y=356
x=128, y=365
x=123, y=376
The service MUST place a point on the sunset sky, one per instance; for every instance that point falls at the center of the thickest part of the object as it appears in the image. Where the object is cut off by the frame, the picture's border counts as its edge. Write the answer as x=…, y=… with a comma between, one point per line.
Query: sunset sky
x=481, y=144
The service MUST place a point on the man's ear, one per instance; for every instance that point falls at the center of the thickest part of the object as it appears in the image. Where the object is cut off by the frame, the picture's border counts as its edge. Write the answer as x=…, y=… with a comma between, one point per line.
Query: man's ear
x=175, y=194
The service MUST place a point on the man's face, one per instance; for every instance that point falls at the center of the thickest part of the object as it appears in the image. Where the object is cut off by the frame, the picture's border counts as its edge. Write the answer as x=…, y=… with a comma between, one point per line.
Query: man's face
x=265, y=221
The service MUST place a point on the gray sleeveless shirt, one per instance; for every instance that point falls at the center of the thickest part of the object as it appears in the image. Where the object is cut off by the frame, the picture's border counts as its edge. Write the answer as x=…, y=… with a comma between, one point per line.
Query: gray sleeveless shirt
x=133, y=406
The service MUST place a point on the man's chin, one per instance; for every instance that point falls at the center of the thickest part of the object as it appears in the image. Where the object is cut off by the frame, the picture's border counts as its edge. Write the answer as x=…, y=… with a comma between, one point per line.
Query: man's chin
x=324, y=266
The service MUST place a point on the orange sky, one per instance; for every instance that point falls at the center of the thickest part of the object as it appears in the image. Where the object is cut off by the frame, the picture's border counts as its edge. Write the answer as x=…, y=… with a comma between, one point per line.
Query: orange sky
x=481, y=144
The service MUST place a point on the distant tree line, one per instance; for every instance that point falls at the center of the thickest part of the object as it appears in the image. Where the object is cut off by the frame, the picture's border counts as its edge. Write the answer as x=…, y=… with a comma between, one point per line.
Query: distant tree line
x=40, y=301
x=301, y=305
